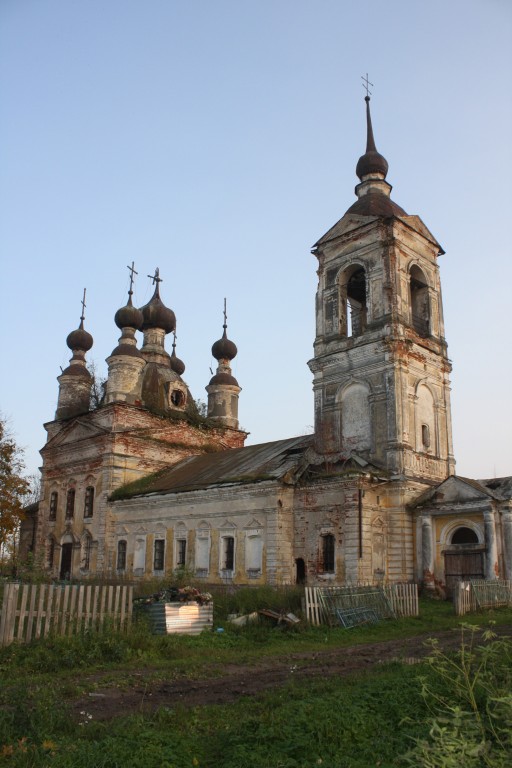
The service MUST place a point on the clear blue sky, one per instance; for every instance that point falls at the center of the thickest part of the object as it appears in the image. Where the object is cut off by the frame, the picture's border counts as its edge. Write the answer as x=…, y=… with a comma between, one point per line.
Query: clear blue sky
x=217, y=139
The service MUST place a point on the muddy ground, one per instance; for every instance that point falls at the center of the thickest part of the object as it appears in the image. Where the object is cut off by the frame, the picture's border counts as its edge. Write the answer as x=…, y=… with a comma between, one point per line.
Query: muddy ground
x=123, y=692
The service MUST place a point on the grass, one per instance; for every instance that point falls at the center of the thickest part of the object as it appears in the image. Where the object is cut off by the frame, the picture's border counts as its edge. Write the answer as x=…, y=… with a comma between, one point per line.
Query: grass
x=367, y=720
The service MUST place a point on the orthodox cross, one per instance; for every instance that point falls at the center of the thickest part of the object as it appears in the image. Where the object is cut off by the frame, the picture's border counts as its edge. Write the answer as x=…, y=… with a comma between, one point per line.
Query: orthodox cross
x=174, y=342
x=156, y=277
x=82, y=318
x=132, y=272
x=225, y=315
x=366, y=84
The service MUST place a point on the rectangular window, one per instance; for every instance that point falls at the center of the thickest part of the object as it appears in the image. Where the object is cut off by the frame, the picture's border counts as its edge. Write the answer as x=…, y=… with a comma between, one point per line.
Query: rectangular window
x=228, y=553
x=158, y=559
x=328, y=553
x=70, y=504
x=121, y=555
x=89, y=501
x=181, y=551
x=54, y=500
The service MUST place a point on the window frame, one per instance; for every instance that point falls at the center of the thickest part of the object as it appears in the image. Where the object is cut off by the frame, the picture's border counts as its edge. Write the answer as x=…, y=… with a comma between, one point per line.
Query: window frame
x=159, y=555
x=89, y=502
x=54, y=504
x=70, y=503
x=122, y=548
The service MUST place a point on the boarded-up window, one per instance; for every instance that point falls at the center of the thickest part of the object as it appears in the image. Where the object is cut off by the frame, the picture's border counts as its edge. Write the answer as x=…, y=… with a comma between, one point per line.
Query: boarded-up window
x=355, y=417
x=253, y=552
x=203, y=550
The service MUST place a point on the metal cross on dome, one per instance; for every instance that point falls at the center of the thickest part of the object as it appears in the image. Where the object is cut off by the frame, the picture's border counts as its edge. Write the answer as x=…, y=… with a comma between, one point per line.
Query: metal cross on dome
x=366, y=84
x=132, y=272
x=156, y=277
x=83, y=306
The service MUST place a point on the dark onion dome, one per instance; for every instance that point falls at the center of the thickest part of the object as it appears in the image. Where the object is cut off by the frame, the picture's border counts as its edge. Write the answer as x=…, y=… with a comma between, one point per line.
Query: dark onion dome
x=372, y=161
x=376, y=204
x=156, y=315
x=79, y=340
x=77, y=370
x=224, y=378
x=126, y=350
x=224, y=349
x=129, y=317
x=177, y=365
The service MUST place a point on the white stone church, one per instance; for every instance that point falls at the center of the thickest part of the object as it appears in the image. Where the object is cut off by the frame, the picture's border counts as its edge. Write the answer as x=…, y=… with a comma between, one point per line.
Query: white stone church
x=142, y=484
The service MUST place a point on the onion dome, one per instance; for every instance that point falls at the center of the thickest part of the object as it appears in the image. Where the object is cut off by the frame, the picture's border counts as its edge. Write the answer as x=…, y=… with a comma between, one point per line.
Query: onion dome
x=224, y=378
x=129, y=316
x=155, y=314
x=79, y=340
x=177, y=365
x=372, y=161
x=224, y=349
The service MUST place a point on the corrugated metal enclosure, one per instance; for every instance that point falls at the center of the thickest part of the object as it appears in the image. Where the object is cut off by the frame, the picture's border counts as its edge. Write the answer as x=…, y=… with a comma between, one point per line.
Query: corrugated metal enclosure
x=180, y=618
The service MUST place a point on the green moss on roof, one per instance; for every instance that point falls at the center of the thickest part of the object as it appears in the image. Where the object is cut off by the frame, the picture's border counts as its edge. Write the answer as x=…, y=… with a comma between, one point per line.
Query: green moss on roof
x=136, y=487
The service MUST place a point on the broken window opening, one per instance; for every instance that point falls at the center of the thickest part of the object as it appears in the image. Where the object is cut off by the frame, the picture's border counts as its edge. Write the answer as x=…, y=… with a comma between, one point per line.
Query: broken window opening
x=121, y=555
x=54, y=500
x=420, y=305
x=181, y=551
x=87, y=546
x=425, y=435
x=177, y=398
x=353, y=304
x=228, y=553
x=89, y=501
x=328, y=553
x=70, y=504
x=159, y=555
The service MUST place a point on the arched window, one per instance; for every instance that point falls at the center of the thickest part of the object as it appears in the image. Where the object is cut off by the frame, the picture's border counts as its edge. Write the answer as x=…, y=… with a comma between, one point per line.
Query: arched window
x=70, y=504
x=51, y=553
x=355, y=417
x=464, y=535
x=54, y=501
x=420, y=305
x=89, y=501
x=121, y=555
x=353, y=304
x=86, y=547
x=328, y=548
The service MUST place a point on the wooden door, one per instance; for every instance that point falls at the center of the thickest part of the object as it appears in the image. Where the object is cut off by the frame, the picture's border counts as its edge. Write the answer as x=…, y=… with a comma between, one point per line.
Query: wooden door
x=462, y=566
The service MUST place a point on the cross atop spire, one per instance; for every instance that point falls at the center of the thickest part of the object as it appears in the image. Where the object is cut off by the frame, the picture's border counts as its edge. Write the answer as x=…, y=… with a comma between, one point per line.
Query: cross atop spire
x=156, y=277
x=366, y=83
x=82, y=316
x=225, y=316
x=132, y=272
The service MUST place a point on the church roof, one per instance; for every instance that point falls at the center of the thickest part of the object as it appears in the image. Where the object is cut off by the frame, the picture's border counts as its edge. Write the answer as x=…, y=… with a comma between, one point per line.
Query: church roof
x=238, y=466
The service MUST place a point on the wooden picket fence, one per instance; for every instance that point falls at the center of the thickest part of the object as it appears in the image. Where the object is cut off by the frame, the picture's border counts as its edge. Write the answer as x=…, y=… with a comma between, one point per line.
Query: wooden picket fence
x=402, y=599
x=30, y=611
x=471, y=596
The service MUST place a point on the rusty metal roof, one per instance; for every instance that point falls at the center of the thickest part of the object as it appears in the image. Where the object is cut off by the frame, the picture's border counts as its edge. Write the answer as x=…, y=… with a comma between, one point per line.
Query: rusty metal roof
x=238, y=466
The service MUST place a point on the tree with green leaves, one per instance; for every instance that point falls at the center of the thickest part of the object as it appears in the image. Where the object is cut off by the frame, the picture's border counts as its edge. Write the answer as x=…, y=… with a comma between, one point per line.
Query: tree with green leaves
x=13, y=486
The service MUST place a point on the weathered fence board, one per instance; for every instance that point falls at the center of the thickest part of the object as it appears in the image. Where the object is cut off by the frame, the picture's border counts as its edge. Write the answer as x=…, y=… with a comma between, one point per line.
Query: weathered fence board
x=37, y=610
x=398, y=599
x=471, y=596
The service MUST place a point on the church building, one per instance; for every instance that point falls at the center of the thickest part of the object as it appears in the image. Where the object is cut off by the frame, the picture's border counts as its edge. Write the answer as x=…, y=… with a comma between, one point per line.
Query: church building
x=142, y=483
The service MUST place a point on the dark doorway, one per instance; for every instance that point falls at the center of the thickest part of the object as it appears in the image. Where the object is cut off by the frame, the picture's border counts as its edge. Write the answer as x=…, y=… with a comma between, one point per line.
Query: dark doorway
x=300, y=565
x=65, y=562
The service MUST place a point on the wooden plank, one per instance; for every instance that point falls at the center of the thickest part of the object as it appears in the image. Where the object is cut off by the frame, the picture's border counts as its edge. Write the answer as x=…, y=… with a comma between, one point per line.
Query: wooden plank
x=8, y=613
x=49, y=609
x=63, y=611
x=72, y=609
x=94, y=611
x=103, y=596
x=22, y=611
x=115, y=608
x=40, y=609
x=31, y=613
x=80, y=608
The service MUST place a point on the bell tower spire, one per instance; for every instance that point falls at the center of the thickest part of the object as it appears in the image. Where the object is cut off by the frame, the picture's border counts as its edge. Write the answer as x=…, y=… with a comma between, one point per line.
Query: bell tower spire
x=381, y=369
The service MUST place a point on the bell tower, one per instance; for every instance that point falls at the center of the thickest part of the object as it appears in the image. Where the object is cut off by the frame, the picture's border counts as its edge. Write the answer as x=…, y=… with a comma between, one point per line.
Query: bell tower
x=381, y=369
